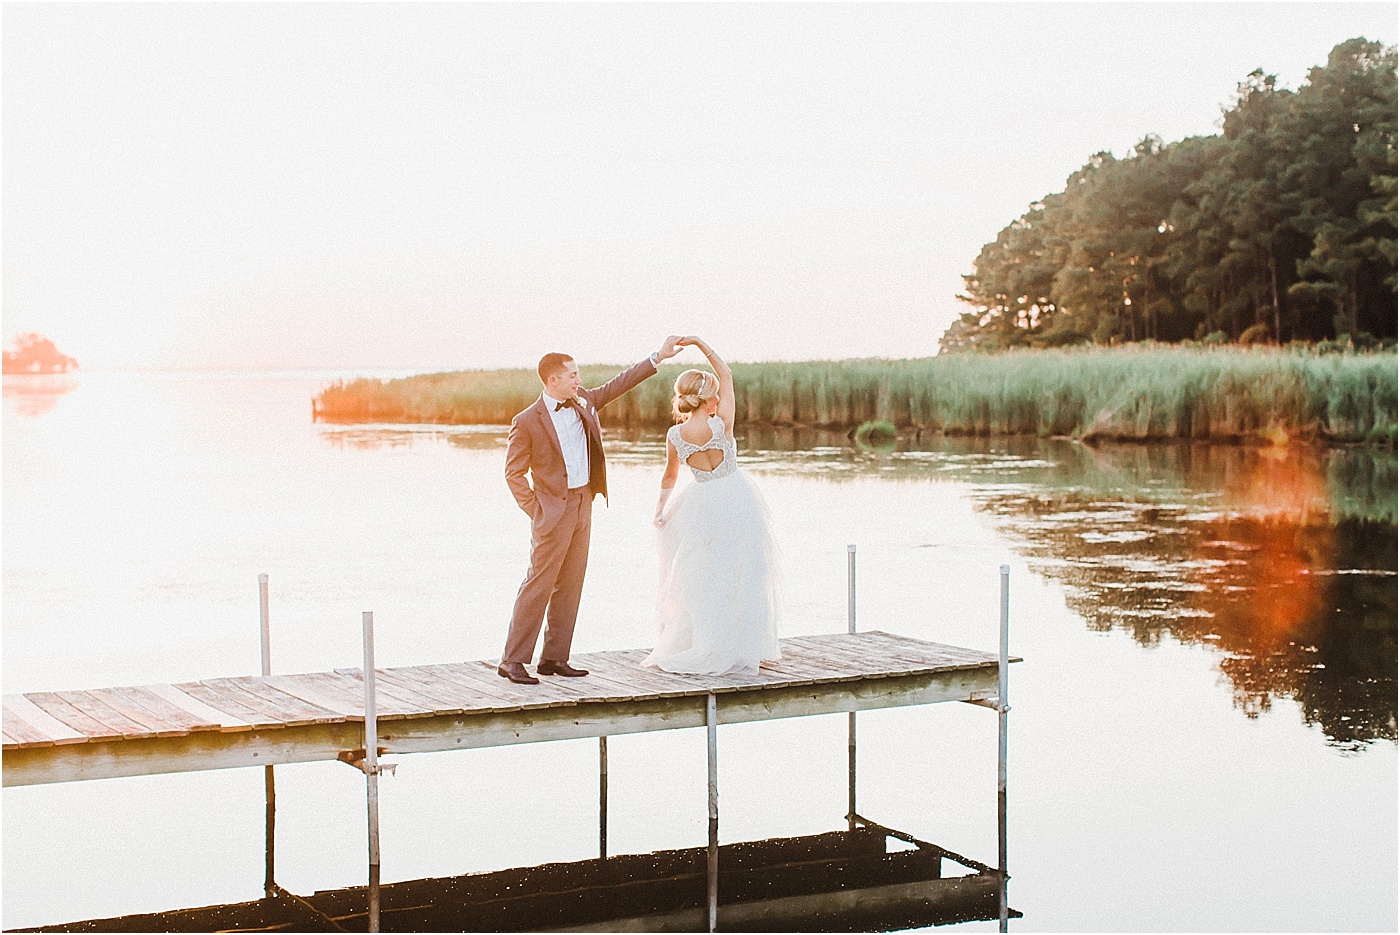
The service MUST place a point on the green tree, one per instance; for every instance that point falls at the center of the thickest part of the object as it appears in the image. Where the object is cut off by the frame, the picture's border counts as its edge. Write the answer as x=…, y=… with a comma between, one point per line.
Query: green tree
x=1342, y=181
x=1284, y=226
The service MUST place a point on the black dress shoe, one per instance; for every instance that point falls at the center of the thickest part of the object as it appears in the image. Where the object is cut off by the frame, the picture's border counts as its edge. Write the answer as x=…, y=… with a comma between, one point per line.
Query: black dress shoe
x=516, y=672
x=558, y=668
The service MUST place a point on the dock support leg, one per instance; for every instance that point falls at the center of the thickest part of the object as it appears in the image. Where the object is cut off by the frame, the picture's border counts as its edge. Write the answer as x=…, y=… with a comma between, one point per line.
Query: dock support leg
x=712, y=855
x=270, y=793
x=603, y=797
x=1002, y=709
x=372, y=771
x=851, y=717
x=269, y=783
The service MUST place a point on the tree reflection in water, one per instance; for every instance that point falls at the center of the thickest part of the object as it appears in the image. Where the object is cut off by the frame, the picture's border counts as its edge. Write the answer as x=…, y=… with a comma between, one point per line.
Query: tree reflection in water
x=33, y=395
x=1284, y=560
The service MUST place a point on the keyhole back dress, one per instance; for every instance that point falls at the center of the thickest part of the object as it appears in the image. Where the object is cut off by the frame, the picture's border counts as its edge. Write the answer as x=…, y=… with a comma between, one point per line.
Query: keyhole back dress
x=719, y=593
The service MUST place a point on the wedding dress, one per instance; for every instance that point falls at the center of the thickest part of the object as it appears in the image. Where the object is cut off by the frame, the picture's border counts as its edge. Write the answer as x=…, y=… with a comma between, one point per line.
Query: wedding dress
x=718, y=596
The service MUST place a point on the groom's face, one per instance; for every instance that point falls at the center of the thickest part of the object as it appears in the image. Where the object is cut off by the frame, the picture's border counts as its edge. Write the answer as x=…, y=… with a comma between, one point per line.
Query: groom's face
x=566, y=382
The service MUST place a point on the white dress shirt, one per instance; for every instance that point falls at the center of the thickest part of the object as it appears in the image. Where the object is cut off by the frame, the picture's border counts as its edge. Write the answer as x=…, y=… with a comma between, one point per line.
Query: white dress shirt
x=568, y=425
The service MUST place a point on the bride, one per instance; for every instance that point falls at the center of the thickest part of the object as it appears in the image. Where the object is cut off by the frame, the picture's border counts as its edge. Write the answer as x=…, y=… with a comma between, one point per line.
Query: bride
x=717, y=602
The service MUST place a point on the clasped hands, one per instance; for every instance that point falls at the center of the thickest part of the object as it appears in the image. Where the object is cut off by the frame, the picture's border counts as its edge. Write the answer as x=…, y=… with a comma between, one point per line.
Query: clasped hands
x=673, y=344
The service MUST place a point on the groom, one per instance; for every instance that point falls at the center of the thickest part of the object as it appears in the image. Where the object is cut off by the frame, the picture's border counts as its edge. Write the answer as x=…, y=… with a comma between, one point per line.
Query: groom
x=557, y=441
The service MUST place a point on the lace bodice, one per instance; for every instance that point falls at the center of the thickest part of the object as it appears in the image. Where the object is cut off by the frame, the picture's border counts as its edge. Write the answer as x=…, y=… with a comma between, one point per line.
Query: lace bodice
x=718, y=440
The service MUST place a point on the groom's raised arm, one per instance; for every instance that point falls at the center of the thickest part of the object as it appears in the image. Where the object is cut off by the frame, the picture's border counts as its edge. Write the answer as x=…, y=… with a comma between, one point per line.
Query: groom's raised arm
x=633, y=375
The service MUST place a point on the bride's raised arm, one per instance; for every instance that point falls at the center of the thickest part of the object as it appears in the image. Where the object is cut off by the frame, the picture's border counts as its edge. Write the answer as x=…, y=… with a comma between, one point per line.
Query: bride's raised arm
x=726, y=381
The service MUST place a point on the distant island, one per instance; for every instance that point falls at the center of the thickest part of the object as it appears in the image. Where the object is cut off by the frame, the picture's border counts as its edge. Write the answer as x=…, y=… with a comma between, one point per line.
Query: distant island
x=34, y=353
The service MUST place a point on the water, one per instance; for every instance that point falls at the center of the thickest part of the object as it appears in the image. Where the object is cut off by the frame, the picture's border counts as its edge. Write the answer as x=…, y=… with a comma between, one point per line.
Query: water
x=1203, y=734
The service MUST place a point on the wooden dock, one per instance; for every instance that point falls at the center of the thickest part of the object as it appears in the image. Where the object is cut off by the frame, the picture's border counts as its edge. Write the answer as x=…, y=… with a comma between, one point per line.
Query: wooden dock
x=266, y=720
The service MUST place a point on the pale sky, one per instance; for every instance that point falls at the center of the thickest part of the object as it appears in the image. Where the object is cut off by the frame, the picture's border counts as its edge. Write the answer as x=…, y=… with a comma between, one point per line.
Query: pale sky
x=467, y=185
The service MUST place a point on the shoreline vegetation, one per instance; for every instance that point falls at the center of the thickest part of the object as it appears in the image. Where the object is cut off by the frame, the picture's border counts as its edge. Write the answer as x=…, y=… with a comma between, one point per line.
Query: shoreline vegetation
x=1140, y=392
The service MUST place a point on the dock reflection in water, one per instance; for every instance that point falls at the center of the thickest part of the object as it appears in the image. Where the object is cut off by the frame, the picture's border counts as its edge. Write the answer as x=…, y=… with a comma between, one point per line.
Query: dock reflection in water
x=869, y=879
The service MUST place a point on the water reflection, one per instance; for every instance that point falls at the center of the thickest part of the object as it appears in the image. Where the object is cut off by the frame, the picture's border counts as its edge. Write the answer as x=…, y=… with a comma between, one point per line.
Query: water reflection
x=371, y=437
x=32, y=395
x=869, y=879
x=1283, y=560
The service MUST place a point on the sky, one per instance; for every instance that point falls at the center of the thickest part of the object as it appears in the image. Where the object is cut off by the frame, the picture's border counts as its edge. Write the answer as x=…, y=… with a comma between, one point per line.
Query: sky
x=447, y=186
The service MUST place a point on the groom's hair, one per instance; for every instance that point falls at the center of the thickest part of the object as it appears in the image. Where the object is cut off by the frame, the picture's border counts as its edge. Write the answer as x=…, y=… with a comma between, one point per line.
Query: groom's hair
x=551, y=364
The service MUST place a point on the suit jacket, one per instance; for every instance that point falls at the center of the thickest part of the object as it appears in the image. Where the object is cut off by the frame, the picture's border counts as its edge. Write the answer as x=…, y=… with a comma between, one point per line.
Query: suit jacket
x=533, y=448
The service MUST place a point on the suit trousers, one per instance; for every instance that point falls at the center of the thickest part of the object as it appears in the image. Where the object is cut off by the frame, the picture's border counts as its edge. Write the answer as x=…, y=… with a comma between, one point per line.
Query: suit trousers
x=558, y=560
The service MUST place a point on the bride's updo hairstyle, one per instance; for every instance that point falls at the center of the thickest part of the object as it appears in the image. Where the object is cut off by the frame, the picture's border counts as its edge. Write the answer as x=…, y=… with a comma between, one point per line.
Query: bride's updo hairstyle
x=694, y=388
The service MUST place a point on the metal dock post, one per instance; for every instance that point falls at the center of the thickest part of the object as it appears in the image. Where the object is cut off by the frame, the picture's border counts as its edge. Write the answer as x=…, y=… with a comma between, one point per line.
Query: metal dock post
x=712, y=855
x=372, y=772
x=603, y=796
x=269, y=783
x=851, y=734
x=1002, y=709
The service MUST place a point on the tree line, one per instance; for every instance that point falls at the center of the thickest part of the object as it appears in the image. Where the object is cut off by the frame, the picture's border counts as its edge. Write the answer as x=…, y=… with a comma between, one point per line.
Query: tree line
x=1280, y=228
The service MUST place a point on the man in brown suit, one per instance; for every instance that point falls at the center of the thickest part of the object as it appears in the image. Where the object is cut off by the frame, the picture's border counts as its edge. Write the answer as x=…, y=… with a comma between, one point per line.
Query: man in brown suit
x=557, y=441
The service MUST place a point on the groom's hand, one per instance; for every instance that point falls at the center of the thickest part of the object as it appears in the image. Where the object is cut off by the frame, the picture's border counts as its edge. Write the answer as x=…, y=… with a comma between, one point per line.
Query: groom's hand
x=670, y=347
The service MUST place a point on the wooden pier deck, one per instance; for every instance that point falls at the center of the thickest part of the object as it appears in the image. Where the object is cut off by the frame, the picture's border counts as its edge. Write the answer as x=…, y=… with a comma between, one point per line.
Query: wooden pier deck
x=221, y=723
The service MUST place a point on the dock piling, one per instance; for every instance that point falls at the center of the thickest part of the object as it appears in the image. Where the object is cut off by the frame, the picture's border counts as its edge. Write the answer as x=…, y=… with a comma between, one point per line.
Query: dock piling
x=1002, y=708
x=603, y=797
x=269, y=783
x=712, y=856
x=371, y=771
x=851, y=717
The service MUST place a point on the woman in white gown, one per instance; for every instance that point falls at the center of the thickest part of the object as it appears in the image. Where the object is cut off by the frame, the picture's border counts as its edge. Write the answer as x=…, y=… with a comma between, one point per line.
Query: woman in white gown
x=718, y=595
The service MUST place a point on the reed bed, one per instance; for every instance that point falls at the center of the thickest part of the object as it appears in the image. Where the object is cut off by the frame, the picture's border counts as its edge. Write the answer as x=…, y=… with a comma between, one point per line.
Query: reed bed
x=1135, y=393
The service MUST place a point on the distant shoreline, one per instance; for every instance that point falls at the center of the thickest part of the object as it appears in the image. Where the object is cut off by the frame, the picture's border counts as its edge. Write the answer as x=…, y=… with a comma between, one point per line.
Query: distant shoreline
x=1139, y=393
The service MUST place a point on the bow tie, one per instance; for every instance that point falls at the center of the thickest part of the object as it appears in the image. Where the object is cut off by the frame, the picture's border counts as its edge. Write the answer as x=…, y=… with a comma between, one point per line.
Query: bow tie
x=571, y=402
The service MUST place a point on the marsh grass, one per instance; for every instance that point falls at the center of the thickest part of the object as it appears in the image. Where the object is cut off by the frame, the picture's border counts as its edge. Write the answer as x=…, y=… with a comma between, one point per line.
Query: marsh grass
x=1137, y=393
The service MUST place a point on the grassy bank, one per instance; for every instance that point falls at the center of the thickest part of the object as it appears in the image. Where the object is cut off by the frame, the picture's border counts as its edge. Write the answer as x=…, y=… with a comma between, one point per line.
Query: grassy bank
x=1137, y=393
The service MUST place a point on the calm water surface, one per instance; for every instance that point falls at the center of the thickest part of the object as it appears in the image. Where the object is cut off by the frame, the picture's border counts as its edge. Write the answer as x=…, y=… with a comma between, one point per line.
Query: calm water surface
x=1203, y=734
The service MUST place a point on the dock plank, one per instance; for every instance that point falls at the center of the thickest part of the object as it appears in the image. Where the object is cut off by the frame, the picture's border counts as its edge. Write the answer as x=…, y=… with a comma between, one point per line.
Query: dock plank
x=147, y=700
x=300, y=686
x=444, y=696
x=387, y=707
x=24, y=733
x=157, y=725
x=298, y=708
x=197, y=708
x=611, y=679
x=858, y=658
x=803, y=664
x=391, y=690
x=103, y=713
x=664, y=684
x=36, y=717
x=935, y=654
x=529, y=697
x=235, y=703
x=502, y=699
x=877, y=653
x=466, y=696
x=273, y=705
x=56, y=706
